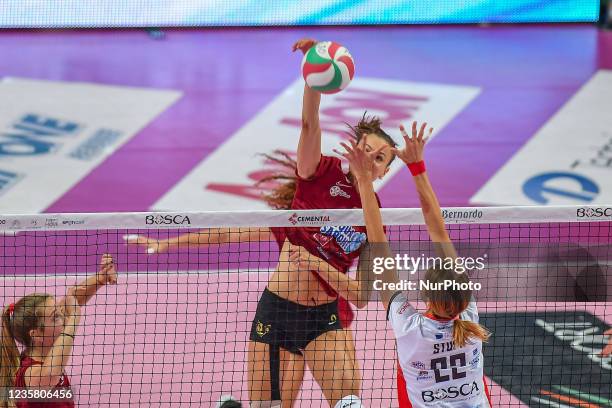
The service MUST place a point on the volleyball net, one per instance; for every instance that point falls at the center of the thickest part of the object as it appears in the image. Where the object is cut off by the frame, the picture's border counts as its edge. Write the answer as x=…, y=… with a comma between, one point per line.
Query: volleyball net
x=175, y=328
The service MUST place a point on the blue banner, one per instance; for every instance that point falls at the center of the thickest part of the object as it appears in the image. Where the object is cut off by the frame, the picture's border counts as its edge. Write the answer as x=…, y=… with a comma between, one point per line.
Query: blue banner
x=163, y=13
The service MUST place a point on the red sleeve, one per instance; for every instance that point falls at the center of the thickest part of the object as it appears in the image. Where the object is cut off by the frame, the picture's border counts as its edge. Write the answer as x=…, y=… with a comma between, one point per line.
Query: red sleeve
x=380, y=206
x=279, y=235
x=326, y=163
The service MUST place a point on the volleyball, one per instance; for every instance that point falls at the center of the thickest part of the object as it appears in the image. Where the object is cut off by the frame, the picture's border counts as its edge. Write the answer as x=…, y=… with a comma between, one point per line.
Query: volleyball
x=328, y=67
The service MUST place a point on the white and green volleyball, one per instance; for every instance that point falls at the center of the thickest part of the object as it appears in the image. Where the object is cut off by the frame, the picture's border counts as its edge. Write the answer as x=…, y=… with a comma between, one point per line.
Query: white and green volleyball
x=328, y=67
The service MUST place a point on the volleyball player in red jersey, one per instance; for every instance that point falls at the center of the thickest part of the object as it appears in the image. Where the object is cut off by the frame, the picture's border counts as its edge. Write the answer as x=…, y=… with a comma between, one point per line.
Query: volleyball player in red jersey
x=292, y=365
x=321, y=285
x=440, y=351
x=45, y=327
x=298, y=311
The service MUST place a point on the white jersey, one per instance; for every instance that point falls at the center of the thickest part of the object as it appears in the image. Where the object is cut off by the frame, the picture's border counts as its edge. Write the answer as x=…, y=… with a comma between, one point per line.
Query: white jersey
x=437, y=373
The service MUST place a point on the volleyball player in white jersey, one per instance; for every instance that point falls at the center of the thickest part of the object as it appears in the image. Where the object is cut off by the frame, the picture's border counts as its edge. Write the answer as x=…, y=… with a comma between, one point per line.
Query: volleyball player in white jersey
x=439, y=351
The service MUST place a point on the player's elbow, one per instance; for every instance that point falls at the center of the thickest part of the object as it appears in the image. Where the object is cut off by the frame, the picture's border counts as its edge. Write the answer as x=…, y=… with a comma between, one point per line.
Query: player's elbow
x=310, y=124
x=361, y=303
x=47, y=378
x=305, y=171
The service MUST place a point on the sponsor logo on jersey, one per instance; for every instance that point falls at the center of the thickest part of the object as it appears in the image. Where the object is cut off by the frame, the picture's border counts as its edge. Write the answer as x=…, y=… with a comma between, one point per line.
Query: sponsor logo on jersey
x=423, y=375
x=323, y=240
x=403, y=308
x=346, y=237
x=336, y=191
x=454, y=392
x=419, y=365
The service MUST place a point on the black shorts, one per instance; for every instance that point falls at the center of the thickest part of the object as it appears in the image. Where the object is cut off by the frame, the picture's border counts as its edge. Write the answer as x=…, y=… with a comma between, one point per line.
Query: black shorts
x=280, y=322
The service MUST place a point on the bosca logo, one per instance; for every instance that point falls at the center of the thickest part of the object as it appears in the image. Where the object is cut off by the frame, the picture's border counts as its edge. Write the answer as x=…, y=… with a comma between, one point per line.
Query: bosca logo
x=597, y=212
x=167, y=219
x=452, y=392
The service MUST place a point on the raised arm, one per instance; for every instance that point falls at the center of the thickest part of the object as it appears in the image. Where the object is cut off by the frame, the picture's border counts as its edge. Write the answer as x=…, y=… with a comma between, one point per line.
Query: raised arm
x=208, y=236
x=362, y=166
x=107, y=274
x=412, y=155
x=309, y=146
x=47, y=374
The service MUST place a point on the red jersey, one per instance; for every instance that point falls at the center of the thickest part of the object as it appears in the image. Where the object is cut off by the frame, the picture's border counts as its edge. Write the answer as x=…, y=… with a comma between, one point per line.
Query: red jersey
x=329, y=188
x=63, y=382
x=345, y=312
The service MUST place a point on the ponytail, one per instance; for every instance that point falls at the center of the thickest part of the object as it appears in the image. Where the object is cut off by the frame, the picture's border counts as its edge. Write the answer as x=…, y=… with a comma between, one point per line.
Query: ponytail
x=449, y=303
x=281, y=196
x=17, y=322
x=463, y=330
x=9, y=356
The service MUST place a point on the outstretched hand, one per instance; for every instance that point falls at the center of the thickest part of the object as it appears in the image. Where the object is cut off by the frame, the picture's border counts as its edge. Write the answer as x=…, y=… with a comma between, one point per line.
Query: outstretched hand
x=414, y=146
x=107, y=273
x=153, y=246
x=362, y=163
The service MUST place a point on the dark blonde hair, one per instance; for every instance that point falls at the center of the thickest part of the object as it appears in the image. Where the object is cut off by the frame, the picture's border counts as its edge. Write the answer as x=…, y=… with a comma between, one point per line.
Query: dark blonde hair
x=281, y=197
x=26, y=314
x=448, y=304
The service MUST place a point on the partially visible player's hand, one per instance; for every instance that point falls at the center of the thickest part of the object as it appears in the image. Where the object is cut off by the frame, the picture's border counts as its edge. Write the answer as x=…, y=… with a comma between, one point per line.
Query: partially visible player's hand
x=153, y=246
x=607, y=351
x=362, y=163
x=107, y=273
x=413, y=150
x=301, y=259
x=303, y=45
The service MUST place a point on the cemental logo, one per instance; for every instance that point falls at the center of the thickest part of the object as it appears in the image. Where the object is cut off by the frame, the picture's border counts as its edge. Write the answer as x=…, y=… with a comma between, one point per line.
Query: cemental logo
x=449, y=215
x=308, y=219
x=597, y=212
x=167, y=219
x=452, y=392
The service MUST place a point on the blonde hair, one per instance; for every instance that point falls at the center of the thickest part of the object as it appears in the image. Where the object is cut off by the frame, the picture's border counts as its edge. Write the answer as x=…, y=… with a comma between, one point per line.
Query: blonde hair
x=17, y=322
x=449, y=303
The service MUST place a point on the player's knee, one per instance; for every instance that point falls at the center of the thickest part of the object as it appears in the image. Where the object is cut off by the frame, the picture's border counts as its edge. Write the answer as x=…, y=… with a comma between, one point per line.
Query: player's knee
x=350, y=401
